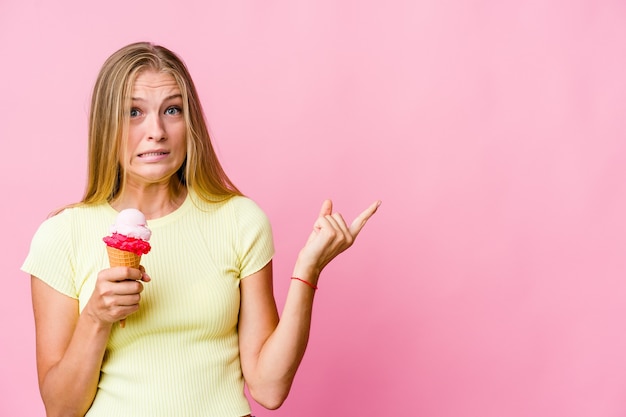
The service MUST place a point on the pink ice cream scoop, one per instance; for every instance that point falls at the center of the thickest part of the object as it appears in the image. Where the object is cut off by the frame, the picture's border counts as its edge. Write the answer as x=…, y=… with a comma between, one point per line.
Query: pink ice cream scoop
x=130, y=233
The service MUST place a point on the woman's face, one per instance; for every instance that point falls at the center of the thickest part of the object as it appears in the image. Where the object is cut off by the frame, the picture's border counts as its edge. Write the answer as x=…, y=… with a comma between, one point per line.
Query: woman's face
x=156, y=142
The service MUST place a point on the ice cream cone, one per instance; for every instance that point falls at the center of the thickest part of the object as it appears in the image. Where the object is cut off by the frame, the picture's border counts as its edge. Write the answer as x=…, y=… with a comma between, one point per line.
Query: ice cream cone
x=118, y=257
x=128, y=240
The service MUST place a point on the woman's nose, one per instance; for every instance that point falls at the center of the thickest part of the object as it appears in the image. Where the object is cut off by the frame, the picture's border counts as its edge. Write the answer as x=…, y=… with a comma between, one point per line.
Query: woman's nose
x=155, y=128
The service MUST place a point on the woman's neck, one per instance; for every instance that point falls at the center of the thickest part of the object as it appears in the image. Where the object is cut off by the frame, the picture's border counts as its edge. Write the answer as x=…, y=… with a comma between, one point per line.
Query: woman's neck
x=153, y=201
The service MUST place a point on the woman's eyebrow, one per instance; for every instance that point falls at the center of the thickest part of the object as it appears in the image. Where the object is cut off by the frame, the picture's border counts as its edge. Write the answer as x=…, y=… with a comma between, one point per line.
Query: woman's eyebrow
x=173, y=96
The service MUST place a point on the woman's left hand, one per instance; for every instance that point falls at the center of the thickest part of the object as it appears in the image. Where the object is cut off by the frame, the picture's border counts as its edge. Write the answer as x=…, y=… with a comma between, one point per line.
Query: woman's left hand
x=330, y=236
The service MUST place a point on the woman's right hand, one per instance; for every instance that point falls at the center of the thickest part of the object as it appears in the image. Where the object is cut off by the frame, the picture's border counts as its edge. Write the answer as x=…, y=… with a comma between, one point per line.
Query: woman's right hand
x=117, y=294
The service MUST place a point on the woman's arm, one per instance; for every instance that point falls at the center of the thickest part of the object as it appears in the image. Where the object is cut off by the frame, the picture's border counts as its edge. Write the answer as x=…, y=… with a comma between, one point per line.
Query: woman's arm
x=271, y=349
x=70, y=346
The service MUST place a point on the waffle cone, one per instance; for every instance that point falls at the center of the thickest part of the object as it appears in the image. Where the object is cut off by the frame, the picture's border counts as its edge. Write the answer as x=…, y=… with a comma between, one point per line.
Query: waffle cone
x=118, y=257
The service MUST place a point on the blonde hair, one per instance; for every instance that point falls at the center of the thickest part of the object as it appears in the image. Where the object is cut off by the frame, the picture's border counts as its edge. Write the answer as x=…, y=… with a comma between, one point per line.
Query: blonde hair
x=109, y=119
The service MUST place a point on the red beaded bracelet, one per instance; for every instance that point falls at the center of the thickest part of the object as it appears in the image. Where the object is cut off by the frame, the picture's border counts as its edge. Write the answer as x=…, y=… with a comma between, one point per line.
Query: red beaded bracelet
x=306, y=282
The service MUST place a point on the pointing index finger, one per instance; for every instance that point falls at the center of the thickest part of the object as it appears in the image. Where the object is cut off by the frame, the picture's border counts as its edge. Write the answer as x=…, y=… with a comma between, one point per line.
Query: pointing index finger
x=362, y=218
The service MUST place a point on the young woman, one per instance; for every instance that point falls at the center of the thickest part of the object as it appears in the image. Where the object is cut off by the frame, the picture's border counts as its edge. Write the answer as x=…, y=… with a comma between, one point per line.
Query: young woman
x=201, y=319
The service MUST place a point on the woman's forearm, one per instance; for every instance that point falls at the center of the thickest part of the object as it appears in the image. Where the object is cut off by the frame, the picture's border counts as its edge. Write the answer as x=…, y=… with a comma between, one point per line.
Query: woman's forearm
x=283, y=351
x=70, y=385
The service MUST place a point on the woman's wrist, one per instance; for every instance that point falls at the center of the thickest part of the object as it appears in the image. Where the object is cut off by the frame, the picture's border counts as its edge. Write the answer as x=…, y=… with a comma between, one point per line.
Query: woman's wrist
x=304, y=281
x=309, y=274
x=306, y=268
x=95, y=319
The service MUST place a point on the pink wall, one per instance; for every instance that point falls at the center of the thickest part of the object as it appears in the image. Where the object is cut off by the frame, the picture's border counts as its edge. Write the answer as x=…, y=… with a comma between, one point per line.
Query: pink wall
x=492, y=280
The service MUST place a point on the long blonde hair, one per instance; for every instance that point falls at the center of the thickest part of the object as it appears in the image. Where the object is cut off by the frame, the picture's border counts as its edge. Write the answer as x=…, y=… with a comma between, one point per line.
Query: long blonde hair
x=109, y=119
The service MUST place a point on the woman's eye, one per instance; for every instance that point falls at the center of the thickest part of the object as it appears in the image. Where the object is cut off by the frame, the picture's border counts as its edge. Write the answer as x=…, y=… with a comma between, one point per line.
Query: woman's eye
x=173, y=111
x=134, y=112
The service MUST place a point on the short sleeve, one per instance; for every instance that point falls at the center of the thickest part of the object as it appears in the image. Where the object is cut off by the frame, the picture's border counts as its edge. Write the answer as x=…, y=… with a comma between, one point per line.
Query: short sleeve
x=50, y=257
x=256, y=244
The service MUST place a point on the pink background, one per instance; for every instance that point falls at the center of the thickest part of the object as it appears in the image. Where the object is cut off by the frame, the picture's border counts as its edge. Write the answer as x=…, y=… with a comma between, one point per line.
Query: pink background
x=492, y=280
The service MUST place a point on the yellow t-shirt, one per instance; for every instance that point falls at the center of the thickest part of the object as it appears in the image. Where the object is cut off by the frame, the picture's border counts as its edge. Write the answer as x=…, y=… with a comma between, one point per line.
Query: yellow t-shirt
x=179, y=354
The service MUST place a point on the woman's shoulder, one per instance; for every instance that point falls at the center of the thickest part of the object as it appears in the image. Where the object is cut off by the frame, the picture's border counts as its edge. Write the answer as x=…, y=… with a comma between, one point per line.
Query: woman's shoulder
x=62, y=226
x=232, y=202
x=236, y=209
x=245, y=207
x=78, y=211
x=81, y=214
x=243, y=202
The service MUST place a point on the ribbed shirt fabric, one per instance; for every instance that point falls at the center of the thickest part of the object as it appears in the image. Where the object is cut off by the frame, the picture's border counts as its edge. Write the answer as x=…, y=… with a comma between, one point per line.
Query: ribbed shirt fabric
x=179, y=354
